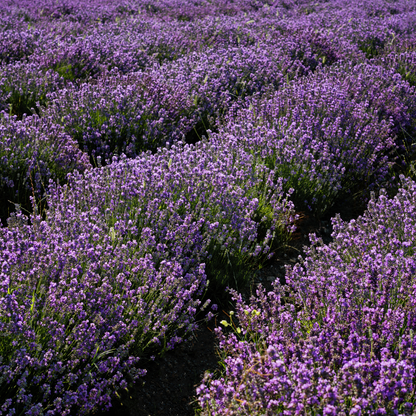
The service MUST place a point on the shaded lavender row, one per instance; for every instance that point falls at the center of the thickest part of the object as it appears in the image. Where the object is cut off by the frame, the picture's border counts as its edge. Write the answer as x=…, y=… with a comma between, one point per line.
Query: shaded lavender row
x=117, y=271
x=340, y=337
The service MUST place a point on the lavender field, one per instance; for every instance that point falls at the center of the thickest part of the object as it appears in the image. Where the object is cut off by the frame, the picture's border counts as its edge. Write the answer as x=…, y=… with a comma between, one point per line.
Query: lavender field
x=154, y=154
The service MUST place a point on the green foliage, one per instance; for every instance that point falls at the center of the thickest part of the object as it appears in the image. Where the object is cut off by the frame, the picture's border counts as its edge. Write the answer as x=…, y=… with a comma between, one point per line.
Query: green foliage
x=372, y=47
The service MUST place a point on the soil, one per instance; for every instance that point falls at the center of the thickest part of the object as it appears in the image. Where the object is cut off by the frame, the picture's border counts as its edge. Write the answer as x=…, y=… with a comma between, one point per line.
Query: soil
x=169, y=387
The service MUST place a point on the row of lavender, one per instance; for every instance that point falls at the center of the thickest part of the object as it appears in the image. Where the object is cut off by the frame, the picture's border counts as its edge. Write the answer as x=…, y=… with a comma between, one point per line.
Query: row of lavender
x=300, y=102
x=339, y=338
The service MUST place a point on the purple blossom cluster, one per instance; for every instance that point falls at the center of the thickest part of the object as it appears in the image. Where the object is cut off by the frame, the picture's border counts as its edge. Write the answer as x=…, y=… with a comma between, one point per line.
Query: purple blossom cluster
x=403, y=63
x=196, y=201
x=339, y=338
x=80, y=53
x=169, y=145
x=83, y=11
x=225, y=77
x=17, y=44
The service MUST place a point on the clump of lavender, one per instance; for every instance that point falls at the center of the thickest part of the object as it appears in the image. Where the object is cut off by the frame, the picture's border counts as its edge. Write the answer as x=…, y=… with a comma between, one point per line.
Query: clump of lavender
x=329, y=131
x=219, y=31
x=33, y=151
x=122, y=113
x=17, y=44
x=373, y=27
x=210, y=203
x=188, y=11
x=340, y=337
x=404, y=63
x=79, y=309
x=78, y=57
x=217, y=80
x=23, y=87
x=304, y=37
x=82, y=11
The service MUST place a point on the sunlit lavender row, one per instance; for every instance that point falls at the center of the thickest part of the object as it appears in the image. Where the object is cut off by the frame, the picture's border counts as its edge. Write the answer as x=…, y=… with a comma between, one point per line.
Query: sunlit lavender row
x=154, y=153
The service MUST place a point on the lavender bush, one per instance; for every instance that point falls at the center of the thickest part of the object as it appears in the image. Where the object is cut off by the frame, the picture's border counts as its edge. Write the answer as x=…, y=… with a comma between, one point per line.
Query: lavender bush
x=23, y=87
x=199, y=203
x=17, y=44
x=328, y=131
x=78, y=312
x=123, y=113
x=33, y=151
x=217, y=80
x=339, y=338
x=403, y=63
x=83, y=11
x=86, y=55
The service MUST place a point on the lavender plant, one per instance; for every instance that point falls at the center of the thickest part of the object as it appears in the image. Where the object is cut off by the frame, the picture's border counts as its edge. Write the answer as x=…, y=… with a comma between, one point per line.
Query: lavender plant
x=340, y=337
x=80, y=57
x=33, y=151
x=85, y=12
x=218, y=80
x=328, y=131
x=403, y=63
x=201, y=204
x=79, y=310
x=23, y=87
x=17, y=44
x=122, y=114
